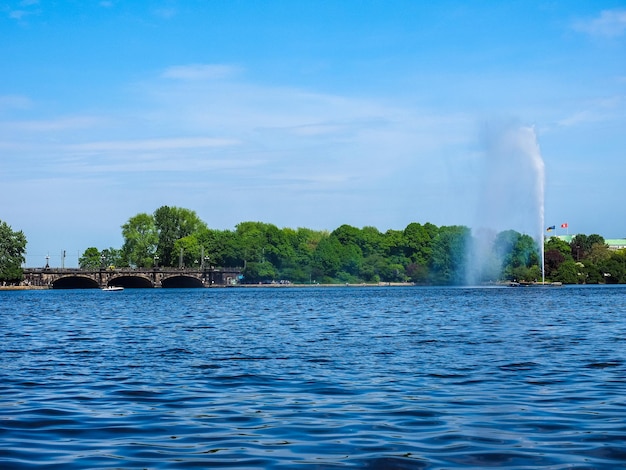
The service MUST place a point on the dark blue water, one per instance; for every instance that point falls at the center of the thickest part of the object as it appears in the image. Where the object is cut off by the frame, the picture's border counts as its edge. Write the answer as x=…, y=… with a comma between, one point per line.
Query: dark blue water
x=377, y=378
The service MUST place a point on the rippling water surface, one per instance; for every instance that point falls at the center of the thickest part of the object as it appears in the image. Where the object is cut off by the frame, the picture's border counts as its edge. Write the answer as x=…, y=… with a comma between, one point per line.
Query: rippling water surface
x=377, y=378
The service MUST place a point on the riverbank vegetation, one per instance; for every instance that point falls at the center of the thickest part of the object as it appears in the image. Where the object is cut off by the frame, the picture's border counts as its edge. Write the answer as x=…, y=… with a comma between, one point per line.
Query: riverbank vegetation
x=420, y=253
x=12, y=249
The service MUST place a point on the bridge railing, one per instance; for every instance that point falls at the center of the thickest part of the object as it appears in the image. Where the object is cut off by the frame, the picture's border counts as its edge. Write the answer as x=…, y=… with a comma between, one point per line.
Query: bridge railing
x=131, y=270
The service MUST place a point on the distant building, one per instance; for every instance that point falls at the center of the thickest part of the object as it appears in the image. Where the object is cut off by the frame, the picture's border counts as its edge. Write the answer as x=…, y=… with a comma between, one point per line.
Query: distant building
x=565, y=238
x=616, y=243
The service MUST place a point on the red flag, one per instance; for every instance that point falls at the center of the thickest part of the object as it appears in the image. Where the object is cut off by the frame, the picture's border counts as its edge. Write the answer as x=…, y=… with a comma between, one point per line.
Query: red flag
x=564, y=225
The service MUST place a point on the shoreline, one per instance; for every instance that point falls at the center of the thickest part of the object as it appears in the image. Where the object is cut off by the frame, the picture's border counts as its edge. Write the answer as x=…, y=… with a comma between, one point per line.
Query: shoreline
x=246, y=286
x=24, y=288
x=360, y=284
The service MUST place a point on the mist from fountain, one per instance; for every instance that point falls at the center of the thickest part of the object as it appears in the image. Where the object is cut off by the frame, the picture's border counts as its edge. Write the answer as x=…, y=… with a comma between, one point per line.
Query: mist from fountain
x=511, y=195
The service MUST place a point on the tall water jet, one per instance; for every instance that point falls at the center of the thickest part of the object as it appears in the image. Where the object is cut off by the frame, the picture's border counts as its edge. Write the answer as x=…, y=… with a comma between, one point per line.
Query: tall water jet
x=511, y=195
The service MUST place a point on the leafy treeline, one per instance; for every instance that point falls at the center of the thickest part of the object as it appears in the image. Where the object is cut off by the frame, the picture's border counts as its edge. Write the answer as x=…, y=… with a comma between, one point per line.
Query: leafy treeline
x=424, y=254
x=421, y=253
x=585, y=260
x=12, y=249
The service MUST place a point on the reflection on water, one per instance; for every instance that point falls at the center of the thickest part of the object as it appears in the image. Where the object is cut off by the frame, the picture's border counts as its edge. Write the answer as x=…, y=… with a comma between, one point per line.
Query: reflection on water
x=377, y=378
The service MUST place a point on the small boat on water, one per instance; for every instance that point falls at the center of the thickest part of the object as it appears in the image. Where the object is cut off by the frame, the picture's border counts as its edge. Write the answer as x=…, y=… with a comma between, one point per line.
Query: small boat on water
x=112, y=288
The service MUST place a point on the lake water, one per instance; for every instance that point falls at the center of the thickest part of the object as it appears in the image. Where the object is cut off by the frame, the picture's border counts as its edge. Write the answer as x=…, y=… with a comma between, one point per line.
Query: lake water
x=314, y=378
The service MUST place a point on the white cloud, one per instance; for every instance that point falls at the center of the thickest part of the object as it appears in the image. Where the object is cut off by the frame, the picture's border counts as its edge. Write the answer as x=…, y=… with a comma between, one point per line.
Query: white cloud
x=165, y=12
x=22, y=10
x=307, y=137
x=8, y=102
x=18, y=14
x=187, y=137
x=48, y=125
x=200, y=72
x=604, y=109
x=610, y=23
x=181, y=143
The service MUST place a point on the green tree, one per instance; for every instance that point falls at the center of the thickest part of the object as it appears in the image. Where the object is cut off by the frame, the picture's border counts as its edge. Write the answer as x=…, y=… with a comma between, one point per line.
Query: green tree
x=172, y=224
x=349, y=253
x=448, y=262
x=568, y=272
x=112, y=257
x=518, y=253
x=12, y=249
x=581, y=245
x=418, y=242
x=219, y=247
x=140, y=241
x=599, y=253
x=555, y=243
x=553, y=259
x=614, y=268
x=418, y=273
x=372, y=242
x=278, y=250
x=251, y=242
x=191, y=251
x=259, y=272
x=393, y=245
x=327, y=260
x=556, y=252
x=415, y=237
x=90, y=259
x=298, y=266
x=593, y=274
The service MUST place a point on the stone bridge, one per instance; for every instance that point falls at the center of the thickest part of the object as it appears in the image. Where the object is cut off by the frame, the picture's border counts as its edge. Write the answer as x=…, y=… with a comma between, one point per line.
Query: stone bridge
x=131, y=278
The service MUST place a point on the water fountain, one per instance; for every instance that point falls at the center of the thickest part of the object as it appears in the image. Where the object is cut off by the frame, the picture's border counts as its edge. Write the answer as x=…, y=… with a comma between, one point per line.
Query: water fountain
x=511, y=193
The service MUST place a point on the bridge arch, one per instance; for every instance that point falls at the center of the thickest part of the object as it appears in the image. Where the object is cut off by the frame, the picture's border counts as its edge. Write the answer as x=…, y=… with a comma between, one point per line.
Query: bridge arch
x=130, y=282
x=75, y=282
x=181, y=281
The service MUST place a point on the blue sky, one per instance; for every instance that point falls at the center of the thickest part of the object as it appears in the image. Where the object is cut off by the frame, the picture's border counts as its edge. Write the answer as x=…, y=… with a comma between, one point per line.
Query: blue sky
x=305, y=114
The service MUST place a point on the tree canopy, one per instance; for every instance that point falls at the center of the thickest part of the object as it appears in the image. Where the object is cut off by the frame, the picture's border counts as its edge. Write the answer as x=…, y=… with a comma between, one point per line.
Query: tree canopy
x=140, y=241
x=420, y=253
x=12, y=249
x=93, y=258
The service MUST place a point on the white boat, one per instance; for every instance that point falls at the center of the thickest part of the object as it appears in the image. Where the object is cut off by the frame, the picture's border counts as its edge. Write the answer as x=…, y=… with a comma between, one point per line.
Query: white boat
x=112, y=288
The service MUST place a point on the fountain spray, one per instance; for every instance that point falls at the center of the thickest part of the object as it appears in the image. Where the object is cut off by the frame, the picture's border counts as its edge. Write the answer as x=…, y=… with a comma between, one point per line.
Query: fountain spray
x=511, y=192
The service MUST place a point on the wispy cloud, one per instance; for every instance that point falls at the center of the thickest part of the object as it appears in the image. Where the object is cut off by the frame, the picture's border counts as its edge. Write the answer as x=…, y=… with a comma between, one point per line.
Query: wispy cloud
x=279, y=118
x=9, y=102
x=18, y=14
x=22, y=9
x=181, y=143
x=200, y=71
x=47, y=125
x=600, y=110
x=165, y=12
x=610, y=23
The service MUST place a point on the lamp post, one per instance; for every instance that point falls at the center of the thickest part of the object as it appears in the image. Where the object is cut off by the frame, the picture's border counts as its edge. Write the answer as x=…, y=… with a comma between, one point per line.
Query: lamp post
x=207, y=261
x=156, y=261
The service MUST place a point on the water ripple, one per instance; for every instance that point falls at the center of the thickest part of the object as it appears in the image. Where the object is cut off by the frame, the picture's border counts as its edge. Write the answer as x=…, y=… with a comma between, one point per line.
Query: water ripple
x=425, y=378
